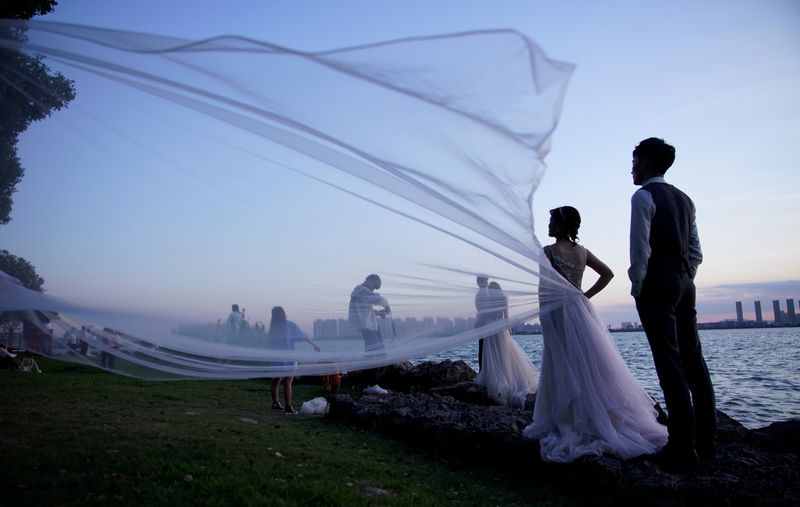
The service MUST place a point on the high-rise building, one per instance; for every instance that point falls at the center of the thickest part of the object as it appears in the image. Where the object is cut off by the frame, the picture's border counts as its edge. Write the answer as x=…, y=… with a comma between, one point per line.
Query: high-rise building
x=325, y=328
x=759, y=317
x=776, y=310
x=739, y=312
x=343, y=327
x=790, y=317
x=386, y=328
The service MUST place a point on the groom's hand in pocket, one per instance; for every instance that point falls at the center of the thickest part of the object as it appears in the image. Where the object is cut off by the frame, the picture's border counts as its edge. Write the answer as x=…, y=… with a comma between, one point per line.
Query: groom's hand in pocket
x=636, y=288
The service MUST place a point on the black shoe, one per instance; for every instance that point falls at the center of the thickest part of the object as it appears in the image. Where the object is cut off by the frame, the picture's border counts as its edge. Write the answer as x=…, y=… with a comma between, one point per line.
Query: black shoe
x=290, y=410
x=277, y=406
x=675, y=460
x=707, y=454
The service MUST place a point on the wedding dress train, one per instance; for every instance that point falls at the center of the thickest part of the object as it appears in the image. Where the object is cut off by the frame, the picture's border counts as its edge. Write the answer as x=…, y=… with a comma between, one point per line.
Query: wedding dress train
x=588, y=402
x=507, y=374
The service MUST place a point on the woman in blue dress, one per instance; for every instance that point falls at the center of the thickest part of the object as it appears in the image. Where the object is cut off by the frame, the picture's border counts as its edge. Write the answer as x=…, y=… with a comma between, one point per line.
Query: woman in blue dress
x=282, y=335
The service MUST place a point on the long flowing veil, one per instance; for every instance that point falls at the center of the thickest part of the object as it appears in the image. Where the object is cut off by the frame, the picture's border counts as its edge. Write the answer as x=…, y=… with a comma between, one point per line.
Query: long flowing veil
x=194, y=174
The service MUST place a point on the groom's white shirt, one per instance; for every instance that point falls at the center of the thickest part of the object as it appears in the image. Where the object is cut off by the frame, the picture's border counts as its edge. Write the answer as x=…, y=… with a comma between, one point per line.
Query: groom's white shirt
x=643, y=208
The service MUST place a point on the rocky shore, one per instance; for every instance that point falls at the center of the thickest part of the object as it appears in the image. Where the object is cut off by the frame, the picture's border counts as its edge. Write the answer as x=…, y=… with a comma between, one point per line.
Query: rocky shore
x=436, y=407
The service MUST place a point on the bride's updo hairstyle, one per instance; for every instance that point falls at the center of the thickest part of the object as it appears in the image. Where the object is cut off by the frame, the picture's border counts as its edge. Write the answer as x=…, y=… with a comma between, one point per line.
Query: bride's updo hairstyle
x=568, y=221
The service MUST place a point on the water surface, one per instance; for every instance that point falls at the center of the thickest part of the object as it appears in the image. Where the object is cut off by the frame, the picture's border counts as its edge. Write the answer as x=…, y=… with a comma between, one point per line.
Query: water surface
x=756, y=372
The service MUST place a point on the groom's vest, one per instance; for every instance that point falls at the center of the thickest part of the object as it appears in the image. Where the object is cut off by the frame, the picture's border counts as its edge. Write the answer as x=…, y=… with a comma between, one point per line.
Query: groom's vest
x=669, y=229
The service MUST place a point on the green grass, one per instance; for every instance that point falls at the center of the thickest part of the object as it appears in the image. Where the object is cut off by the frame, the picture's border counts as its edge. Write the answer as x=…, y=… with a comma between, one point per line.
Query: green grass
x=73, y=435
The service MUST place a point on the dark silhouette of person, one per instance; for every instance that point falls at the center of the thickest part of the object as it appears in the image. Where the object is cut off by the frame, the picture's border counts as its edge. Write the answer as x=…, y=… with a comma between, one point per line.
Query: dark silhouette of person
x=361, y=312
x=235, y=321
x=362, y=317
x=665, y=253
x=481, y=317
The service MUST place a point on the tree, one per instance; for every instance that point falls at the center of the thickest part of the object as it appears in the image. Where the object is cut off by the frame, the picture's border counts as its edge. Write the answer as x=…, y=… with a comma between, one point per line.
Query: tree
x=22, y=270
x=26, y=9
x=28, y=92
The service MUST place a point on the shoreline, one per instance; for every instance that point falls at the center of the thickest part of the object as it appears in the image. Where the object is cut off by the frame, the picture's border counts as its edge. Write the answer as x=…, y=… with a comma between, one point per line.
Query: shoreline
x=700, y=326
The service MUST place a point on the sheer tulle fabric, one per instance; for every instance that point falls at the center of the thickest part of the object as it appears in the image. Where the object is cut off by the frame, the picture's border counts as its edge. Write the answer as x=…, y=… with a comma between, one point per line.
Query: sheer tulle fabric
x=270, y=176
x=588, y=402
x=508, y=373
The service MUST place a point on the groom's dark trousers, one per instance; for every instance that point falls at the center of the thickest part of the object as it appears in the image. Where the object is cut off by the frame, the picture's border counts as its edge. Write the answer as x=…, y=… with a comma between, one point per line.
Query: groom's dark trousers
x=666, y=306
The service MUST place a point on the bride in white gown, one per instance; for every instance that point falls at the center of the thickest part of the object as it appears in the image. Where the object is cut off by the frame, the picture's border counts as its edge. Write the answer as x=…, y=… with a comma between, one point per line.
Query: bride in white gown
x=588, y=402
x=507, y=373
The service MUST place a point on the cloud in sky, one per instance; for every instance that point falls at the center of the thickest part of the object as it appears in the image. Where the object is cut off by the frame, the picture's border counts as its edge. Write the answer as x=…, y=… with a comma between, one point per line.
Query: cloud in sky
x=764, y=291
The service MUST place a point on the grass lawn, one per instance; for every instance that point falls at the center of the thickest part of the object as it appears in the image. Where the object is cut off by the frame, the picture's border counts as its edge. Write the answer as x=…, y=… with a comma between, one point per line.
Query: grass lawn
x=75, y=435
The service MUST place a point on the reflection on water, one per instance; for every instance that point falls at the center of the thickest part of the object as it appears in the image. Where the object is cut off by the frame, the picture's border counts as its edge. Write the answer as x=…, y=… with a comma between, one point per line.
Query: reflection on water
x=755, y=371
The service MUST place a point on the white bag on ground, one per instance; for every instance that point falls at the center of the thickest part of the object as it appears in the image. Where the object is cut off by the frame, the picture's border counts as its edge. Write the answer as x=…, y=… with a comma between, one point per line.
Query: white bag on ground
x=376, y=389
x=315, y=406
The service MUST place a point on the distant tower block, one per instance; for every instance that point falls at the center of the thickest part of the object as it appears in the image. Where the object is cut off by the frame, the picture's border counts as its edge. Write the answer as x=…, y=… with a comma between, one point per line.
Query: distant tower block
x=739, y=312
x=790, y=318
x=776, y=310
x=759, y=317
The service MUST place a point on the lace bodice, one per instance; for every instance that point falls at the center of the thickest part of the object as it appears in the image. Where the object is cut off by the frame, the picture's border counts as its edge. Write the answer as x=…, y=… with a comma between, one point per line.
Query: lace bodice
x=570, y=263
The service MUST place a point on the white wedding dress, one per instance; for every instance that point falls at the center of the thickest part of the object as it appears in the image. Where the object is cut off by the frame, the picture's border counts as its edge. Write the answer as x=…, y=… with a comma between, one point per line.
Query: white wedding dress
x=588, y=402
x=508, y=375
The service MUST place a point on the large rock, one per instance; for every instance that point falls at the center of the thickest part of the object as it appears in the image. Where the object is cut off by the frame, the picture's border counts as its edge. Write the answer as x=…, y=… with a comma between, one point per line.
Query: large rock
x=441, y=424
x=389, y=377
x=430, y=375
x=783, y=435
x=407, y=378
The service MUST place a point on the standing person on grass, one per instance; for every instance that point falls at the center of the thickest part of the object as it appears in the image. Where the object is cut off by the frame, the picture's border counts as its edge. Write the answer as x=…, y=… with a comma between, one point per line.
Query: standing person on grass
x=235, y=322
x=282, y=335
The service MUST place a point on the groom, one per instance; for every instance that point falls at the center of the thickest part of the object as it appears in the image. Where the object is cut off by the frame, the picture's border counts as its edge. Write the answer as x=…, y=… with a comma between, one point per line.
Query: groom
x=665, y=253
x=481, y=314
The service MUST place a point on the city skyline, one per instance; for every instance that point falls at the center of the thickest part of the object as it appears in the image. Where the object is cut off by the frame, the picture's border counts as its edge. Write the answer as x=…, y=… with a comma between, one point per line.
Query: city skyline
x=339, y=327
x=778, y=315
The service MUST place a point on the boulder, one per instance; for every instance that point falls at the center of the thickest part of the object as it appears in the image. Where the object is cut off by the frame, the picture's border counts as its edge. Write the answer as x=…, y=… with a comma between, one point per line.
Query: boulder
x=430, y=375
x=406, y=378
x=782, y=435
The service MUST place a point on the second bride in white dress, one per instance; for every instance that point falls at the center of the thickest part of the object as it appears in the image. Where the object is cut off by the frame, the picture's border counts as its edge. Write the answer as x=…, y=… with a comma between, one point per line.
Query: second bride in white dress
x=588, y=401
x=507, y=372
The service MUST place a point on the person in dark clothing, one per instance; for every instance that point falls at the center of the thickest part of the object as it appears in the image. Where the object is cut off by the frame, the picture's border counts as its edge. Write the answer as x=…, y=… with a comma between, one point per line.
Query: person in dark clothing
x=481, y=303
x=665, y=253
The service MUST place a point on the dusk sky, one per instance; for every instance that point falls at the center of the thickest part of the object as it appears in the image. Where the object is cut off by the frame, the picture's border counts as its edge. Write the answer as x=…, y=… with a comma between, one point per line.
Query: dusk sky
x=720, y=80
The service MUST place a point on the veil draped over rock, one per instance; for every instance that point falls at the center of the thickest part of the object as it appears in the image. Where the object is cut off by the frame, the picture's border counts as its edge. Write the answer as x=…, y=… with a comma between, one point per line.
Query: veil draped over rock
x=195, y=174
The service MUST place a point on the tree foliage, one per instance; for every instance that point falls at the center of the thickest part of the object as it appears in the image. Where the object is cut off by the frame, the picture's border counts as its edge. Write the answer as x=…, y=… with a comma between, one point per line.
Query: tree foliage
x=22, y=270
x=26, y=9
x=28, y=92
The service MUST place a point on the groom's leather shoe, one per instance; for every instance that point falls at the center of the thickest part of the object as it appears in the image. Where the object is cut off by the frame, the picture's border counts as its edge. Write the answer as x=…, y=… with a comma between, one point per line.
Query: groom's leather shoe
x=676, y=460
x=706, y=453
